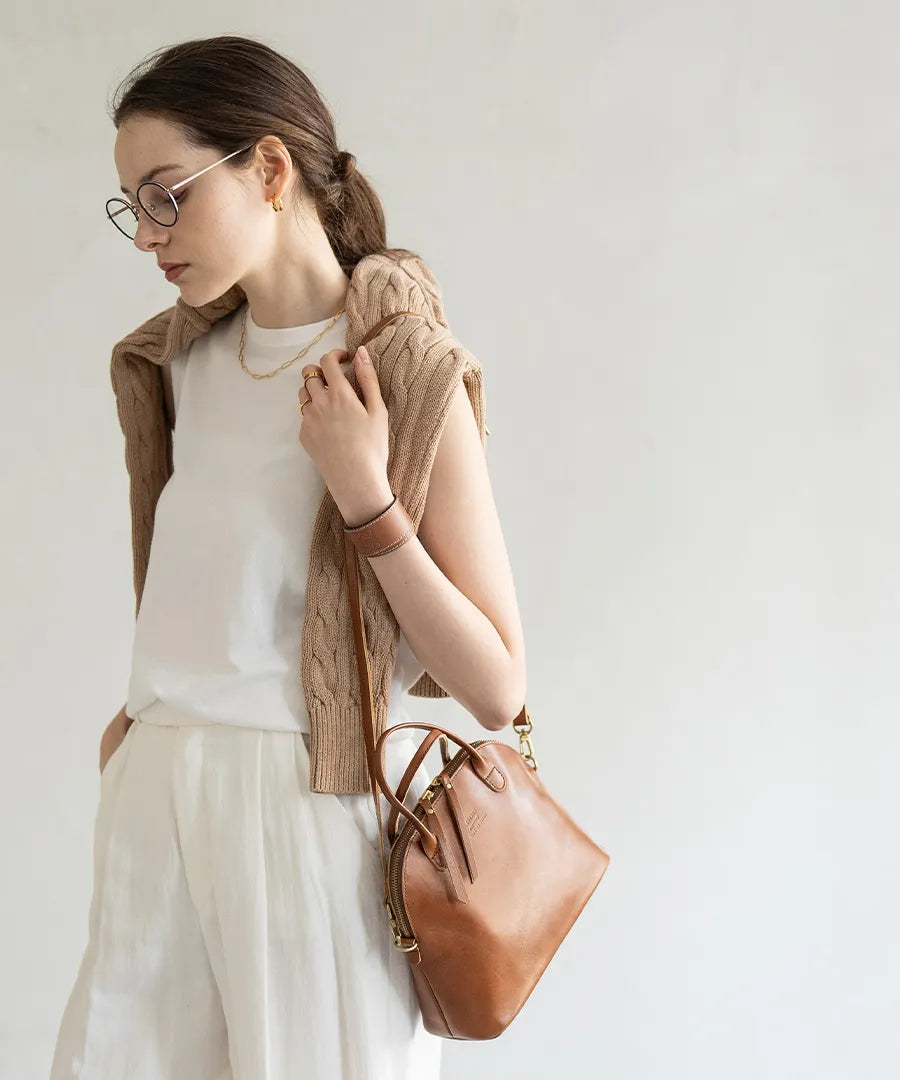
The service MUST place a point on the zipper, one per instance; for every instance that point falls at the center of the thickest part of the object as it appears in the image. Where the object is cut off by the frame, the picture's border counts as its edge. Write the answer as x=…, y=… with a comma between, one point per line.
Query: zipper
x=401, y=928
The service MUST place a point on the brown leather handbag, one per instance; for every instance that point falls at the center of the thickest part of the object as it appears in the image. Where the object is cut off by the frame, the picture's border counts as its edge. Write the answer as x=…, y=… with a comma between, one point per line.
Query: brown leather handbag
x=487, y=873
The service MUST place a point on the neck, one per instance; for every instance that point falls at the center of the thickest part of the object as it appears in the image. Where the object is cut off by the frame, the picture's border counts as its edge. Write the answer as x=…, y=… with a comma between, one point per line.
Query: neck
x=301, y=283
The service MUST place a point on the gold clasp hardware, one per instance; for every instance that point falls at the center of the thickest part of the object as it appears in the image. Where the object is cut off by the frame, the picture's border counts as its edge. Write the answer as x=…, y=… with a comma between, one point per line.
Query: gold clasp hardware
x=526, y=749
x=400, y=943
x=431, y=790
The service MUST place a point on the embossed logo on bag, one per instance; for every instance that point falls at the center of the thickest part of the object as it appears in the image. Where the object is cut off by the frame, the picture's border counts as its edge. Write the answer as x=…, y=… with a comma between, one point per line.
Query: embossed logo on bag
x=475, y=820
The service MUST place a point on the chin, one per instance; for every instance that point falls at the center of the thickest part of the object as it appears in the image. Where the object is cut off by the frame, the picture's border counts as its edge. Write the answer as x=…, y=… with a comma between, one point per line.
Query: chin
x=197, y=295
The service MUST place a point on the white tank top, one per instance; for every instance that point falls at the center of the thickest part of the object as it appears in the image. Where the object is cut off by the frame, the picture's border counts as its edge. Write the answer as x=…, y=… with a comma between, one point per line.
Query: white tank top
x=217, y=638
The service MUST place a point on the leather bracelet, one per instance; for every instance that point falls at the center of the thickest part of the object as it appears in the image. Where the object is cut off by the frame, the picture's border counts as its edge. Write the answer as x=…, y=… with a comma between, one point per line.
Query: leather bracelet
x=385, y=532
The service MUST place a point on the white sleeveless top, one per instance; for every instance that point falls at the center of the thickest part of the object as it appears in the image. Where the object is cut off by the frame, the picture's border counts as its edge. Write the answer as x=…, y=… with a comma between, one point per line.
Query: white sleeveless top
x=217, y=637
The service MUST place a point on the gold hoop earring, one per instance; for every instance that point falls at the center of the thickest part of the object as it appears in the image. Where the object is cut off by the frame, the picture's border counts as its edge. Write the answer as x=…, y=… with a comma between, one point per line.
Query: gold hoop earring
x=276, y=202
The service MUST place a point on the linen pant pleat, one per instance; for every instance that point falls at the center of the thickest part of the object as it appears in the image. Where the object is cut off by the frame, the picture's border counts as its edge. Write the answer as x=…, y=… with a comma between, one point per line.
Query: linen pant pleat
x=235, y=929
x=144, y=1004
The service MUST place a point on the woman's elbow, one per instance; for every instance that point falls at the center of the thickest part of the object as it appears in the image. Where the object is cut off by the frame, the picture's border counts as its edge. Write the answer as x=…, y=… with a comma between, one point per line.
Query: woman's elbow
x=508, y=705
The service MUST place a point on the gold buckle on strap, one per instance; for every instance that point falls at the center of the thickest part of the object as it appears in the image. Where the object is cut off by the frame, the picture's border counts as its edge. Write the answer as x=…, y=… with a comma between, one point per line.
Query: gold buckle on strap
x=526, y=749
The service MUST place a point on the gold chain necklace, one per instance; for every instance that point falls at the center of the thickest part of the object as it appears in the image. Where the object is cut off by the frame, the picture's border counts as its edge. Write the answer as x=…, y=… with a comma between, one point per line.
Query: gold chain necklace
x=287, y=363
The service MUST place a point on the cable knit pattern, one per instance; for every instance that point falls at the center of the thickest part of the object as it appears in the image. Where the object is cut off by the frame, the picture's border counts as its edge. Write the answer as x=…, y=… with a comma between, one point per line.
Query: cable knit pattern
x=419, y=365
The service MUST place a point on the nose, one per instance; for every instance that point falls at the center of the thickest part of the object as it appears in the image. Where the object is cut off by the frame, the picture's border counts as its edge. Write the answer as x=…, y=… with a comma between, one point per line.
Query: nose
x=149, y=233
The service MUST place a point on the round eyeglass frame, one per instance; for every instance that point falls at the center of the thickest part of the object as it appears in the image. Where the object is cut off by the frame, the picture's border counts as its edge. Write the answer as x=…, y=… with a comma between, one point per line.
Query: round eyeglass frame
x=123, y=206
x=116, y=207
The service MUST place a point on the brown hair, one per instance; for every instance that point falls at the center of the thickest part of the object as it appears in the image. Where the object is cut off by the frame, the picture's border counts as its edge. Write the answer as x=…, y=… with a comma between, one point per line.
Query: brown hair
x=222, y=92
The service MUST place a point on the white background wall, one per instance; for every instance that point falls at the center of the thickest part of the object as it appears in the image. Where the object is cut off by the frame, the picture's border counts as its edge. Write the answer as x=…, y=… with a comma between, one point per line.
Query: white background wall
x=670, y=234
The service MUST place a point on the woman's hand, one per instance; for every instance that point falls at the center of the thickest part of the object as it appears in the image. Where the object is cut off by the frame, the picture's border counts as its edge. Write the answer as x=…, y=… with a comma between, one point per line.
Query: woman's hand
x=112, y=736
x=346, y=438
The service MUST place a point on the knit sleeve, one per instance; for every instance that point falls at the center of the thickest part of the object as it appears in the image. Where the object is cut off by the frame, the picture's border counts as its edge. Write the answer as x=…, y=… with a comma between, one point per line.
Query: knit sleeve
x=426, y=687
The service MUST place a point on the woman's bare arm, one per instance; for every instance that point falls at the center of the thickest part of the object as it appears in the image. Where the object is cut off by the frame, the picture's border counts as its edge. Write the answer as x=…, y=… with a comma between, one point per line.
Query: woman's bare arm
x=451, y=586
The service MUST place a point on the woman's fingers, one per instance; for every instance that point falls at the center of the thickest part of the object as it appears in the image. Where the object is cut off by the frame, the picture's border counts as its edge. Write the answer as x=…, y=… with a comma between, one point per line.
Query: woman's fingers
x=313, y=383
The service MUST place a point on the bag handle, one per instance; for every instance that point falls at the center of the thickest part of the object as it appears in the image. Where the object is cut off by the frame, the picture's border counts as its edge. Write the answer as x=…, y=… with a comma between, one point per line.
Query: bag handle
x=402, y=789
x=486, y=772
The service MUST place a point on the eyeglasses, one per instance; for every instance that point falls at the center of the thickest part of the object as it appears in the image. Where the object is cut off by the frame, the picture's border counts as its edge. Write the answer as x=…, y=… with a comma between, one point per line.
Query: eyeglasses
x=156, y=200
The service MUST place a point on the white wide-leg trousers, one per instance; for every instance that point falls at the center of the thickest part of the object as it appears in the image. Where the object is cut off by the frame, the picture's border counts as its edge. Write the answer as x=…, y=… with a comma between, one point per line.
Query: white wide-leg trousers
x=236, y=930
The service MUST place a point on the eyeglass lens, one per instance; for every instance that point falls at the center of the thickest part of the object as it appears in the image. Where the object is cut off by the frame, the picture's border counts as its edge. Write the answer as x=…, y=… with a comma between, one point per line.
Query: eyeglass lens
x=154, y=200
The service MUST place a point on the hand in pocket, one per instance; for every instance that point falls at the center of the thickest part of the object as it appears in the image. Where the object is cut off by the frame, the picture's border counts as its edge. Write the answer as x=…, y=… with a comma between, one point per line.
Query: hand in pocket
x=113, y=736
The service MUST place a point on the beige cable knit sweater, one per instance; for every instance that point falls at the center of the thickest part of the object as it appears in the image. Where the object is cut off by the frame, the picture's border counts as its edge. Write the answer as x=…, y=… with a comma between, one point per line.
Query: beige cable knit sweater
x=419, y=365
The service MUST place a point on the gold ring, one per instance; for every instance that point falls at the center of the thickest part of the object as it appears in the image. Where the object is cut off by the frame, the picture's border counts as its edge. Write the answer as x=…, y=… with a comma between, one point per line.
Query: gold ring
x=313, y=375
x=303, y=405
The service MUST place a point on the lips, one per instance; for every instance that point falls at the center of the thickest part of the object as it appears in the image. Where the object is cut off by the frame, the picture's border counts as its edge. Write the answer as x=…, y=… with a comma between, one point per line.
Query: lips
x=173, y=270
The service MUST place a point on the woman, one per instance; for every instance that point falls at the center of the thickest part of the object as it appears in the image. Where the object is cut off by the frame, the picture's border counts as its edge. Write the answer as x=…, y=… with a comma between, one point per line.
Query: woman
x=236, y=927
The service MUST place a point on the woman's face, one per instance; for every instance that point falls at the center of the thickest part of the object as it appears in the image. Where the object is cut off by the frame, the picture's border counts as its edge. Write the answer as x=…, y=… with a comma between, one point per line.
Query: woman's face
x=223, y=229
